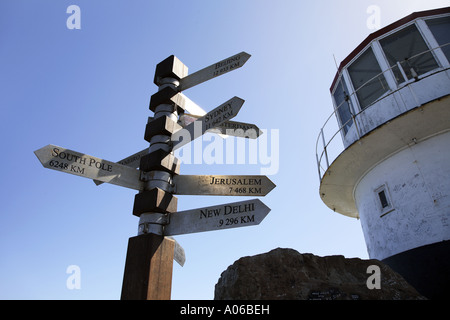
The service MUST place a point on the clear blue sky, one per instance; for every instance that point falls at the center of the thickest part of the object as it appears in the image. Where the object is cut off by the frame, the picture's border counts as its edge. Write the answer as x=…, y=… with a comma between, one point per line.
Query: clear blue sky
x=88, y=90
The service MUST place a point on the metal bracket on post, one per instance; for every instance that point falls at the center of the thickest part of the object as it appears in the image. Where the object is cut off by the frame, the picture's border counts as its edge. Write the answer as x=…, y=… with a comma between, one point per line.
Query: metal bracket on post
x=152, y=223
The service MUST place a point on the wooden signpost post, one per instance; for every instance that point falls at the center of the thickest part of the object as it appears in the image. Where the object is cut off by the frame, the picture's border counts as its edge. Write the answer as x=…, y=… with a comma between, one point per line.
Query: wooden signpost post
x=150, y=254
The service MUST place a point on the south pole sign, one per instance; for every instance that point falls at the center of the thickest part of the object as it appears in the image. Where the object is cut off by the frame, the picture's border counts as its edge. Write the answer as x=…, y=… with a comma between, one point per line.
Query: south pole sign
x=80, y=164
x=150, y=254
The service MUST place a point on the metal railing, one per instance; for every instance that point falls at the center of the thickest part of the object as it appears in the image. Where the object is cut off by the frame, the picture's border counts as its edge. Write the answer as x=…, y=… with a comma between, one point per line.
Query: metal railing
x=324, y=155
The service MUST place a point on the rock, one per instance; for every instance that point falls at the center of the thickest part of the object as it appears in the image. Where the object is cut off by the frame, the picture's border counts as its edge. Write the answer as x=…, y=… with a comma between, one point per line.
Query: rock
x=285, y=274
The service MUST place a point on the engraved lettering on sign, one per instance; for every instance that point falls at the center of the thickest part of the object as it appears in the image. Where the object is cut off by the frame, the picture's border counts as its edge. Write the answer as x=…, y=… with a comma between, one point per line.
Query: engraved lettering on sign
x=207, y=213
x=235, y=181
x=239, y=208
x=218, y=116
x=241, y=185
x=68, y=161
x=230, y=215
x=236, y=126
x=227, y=65
x=129, y=160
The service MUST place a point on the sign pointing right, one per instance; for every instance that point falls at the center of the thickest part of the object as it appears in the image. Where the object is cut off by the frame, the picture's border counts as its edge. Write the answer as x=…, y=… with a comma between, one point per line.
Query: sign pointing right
x=247, y=185
x=216, y=117
x=214, y=70
x=225, y=216
x=228, y=128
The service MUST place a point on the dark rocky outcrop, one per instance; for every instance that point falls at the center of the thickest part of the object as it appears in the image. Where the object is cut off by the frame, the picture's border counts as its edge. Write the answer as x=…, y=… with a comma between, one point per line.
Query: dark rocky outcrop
x=285, y=274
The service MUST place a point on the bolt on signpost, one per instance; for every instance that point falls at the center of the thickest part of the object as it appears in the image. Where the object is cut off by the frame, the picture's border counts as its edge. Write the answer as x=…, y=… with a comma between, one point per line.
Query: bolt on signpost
x=150, y=254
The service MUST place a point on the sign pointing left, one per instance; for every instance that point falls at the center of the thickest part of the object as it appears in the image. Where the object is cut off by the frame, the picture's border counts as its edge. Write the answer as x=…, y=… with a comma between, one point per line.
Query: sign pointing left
x=80, y=164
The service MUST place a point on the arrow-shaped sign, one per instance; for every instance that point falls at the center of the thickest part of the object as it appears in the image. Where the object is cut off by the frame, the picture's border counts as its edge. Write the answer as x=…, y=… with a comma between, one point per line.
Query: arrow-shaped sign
x=80, y=164
x=191, y=107
x=178, y=254
x=222, y=185
x=214, y=70
x=132, y=161
x=225, y=216
x=216, y=117
x=228, y=128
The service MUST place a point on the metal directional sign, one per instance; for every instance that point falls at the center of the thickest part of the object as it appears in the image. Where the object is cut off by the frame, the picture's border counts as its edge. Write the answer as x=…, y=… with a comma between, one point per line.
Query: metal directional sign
x=225, y=216
x=214, y=70
x=219, y=115
x=80, y=164
x=238, y=129
x=228, y=128
x=234, y=185
x=191, y=107
x=131, y=161
x=178, y=254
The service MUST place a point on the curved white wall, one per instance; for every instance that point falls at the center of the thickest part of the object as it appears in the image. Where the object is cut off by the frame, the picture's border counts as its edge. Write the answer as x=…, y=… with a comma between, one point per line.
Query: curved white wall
x=417, y=181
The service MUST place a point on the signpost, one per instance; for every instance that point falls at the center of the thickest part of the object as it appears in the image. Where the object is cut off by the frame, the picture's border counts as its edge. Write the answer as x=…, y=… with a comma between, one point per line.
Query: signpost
x=222, y=185
x=150, y=254
x=225, y=216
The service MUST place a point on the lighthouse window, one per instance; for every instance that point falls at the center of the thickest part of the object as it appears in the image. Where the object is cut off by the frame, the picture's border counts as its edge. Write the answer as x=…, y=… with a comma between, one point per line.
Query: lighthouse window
x=408, y=54
x=383, y=199
x=440, y=28
x=367, y=78
x=342, y=105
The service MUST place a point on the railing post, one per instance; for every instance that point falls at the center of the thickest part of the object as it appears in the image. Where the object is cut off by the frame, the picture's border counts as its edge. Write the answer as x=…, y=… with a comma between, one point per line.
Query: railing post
x=324, y=148
x=318, y=166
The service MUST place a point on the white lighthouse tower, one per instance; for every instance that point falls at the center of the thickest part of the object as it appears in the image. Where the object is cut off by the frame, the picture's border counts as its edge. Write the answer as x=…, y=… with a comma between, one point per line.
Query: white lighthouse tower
x=391, y=98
